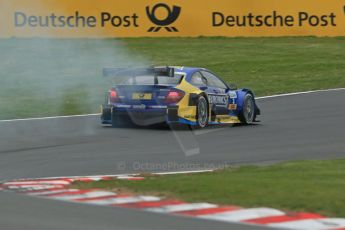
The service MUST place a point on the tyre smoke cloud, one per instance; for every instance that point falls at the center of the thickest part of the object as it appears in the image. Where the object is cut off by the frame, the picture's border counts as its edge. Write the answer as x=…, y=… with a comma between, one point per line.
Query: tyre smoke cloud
x=51, y=77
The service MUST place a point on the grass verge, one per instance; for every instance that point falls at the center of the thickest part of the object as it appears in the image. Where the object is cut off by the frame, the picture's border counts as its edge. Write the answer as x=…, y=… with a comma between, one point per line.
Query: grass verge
x=42, y=77
x=312, y=186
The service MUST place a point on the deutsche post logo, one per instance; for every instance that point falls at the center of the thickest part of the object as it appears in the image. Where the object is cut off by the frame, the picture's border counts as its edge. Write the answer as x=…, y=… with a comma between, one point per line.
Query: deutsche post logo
x=173, y=14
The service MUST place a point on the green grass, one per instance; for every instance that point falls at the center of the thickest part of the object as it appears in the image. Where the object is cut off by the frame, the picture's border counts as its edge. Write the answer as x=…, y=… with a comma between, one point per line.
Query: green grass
x=313, y=186
x=41, y=77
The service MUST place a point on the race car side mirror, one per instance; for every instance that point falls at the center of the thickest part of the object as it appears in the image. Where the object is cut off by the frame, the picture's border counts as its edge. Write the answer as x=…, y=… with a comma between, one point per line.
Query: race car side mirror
x=232, y=86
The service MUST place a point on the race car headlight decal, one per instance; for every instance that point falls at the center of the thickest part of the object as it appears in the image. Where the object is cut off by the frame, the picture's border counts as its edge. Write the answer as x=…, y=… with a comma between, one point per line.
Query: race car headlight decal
x=174, y=96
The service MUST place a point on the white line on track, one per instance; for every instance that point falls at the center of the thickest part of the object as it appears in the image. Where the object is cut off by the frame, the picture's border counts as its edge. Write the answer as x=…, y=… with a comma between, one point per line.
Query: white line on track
x=48, y=118
x=300, y=93
x=97, y=114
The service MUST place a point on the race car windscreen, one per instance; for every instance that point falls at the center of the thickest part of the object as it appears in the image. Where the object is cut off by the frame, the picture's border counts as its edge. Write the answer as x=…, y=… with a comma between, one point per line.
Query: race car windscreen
x=148, y=80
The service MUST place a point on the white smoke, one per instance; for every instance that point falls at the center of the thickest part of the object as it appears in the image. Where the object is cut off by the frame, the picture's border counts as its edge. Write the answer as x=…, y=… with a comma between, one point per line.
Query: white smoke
x=57, y=74
x=53, y=76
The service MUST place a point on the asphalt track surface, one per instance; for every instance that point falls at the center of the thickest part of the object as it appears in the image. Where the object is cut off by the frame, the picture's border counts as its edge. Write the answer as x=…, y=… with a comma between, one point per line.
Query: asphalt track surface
x=296, y=127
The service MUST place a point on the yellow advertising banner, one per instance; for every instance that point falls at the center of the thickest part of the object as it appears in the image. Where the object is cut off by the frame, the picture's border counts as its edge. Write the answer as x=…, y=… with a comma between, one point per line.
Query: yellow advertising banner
x=188, y=18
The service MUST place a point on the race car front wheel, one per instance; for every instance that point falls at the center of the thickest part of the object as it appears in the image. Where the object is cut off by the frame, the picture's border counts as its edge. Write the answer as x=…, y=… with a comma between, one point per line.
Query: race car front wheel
x=202, y=112
x=248, y=111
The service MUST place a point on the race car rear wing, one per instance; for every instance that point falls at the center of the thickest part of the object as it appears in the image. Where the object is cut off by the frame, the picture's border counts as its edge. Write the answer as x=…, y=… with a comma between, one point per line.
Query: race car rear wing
x=133, y=72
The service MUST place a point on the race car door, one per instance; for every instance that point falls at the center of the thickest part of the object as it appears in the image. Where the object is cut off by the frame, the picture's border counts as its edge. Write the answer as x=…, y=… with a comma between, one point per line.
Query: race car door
x=217, y=93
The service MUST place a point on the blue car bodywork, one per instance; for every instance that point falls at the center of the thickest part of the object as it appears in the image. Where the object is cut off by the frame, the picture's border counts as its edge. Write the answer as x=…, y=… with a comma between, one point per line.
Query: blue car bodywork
x=176, y=95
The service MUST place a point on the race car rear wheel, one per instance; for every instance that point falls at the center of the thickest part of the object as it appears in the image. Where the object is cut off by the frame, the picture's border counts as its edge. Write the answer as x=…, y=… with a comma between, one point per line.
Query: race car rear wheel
x=118, y=121
x=248, y=111
x=115, y=121
x=121, y=121
x=202, y=112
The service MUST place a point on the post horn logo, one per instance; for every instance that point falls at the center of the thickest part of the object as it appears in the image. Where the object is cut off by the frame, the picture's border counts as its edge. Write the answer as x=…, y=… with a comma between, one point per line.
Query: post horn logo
x=171, y=18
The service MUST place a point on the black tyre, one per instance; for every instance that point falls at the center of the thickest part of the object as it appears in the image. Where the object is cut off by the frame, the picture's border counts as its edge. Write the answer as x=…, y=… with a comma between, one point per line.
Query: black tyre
x=115, y=121
x=202, y=112
x=118, y=120
x=106, y=114
x=248, y=111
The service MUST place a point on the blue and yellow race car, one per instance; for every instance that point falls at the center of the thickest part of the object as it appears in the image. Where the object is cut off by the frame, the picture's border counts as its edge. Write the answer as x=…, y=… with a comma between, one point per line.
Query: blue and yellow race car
x=185, y=95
